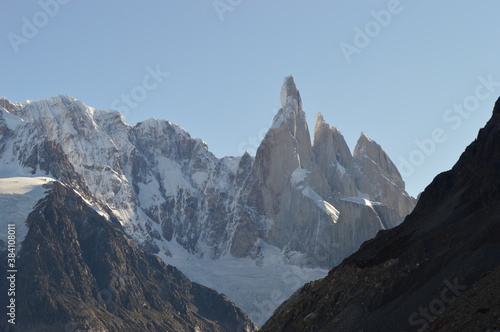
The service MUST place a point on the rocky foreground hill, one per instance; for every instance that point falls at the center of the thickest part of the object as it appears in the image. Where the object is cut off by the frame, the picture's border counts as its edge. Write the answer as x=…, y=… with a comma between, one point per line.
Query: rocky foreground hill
x=78, y=271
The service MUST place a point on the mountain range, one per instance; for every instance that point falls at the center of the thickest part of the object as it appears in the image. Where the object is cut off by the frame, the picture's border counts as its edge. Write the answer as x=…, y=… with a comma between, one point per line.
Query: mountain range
x=253, y=227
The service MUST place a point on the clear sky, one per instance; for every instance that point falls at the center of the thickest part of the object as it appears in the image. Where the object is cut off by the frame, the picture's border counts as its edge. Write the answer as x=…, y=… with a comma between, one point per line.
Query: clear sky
x=400, y=71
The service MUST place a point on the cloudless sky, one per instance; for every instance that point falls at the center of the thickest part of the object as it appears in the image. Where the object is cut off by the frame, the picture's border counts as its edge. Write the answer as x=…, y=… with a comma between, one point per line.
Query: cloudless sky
x=226, y=61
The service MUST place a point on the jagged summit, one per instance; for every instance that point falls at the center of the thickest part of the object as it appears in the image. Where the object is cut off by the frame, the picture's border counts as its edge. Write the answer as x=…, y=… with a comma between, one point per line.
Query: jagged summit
x=363, y=137
x=289, y=91
x=62, y=98
x=363, y=143
x=321, y=124
x=319, y=118
x=290, y=113
x=366, y=147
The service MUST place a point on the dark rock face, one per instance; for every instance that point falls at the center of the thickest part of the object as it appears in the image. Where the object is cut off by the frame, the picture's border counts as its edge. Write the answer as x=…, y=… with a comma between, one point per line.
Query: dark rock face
x=477, y=309
x=78, y=271
x=437, y=270
x=50, y=158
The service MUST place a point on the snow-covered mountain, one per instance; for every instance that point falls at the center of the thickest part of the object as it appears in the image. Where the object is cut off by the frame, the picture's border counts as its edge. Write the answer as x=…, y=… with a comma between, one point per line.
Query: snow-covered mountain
x=279, y=219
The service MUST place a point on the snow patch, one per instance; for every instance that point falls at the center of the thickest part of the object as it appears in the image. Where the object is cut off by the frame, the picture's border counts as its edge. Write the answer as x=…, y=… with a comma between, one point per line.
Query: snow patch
x=95, y=208
x=232, y=163
x=341, y=169
x=11, y=120
x=299, y=175
x=172, y=176
x=322, y=204
x=361, y=201
x=200, y=178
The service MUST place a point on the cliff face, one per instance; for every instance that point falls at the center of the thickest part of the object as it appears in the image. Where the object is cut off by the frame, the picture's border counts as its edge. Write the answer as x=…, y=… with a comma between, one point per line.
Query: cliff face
x=322, y=201
x=78, y=271
x=424, y=272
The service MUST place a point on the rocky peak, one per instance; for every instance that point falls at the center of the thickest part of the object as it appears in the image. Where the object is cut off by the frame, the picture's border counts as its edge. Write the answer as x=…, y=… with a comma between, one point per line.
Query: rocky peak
x=368, y=148
x=7, y=105
x=334, y=158
x=289, y=92
x=367, y=151
x=321, y=128
x=291, y=113
x=331, y=138
x=287, y=144
x=380, y=179
x=362, y=143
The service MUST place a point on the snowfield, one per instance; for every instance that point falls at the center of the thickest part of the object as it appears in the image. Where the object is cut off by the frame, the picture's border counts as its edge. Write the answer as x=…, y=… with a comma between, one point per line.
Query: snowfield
x=18, y=197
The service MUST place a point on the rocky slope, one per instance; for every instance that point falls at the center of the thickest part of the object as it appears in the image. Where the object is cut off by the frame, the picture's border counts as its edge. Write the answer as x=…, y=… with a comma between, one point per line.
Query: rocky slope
x=79, y=272
x=296, y=203
x=435, y=271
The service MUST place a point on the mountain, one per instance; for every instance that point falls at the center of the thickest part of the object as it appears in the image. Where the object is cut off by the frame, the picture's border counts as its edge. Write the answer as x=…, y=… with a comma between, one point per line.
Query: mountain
x=322, y=201
x=78, y=271
x=438, y=270
x=284, y=216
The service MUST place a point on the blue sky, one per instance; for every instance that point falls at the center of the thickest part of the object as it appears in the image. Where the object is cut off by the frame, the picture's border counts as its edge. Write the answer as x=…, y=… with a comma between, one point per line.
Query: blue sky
x=418, y=77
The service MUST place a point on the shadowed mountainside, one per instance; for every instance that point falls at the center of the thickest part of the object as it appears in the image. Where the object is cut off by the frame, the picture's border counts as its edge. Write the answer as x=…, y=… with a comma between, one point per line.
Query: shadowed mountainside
x=78, y=271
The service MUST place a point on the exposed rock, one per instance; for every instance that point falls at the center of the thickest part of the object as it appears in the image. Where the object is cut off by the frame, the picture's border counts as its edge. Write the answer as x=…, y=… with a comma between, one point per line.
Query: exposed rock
x=77, y=271
x=296, y=179
x=439, y=266
x=334, y=159
x=382, y=180
x=477, y=309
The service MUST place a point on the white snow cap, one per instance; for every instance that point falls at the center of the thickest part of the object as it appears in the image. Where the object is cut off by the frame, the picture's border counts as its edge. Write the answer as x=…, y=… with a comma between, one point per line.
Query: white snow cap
x=289, y=90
